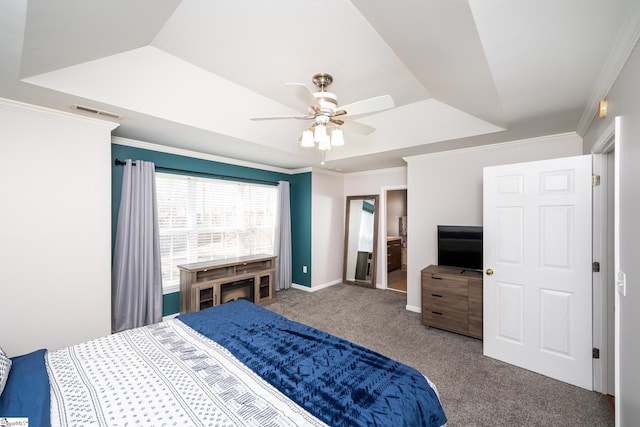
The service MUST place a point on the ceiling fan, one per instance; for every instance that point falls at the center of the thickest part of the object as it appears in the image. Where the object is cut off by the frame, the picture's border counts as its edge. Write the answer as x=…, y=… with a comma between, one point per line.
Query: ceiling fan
x=324, y=112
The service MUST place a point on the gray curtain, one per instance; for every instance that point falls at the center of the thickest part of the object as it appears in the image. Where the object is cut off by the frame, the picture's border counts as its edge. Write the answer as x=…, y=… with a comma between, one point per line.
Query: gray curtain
x=136, y=278
x=282, y=244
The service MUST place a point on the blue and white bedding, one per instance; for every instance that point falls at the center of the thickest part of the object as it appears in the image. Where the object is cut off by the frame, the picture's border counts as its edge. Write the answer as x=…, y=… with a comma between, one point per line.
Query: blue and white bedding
x=233, y=365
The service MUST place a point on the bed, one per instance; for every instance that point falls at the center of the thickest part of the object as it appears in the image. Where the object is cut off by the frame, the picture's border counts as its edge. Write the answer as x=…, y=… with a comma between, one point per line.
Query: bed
x=236, y=364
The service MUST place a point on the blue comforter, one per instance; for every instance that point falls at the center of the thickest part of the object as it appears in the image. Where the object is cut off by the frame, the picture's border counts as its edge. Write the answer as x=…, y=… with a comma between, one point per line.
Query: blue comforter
x=338, y=381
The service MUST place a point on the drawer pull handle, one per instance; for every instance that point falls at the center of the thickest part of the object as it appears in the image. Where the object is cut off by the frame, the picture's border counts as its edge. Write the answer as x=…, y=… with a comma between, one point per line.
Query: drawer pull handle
x=436, y=278
x=436, y=295
x=437, y=312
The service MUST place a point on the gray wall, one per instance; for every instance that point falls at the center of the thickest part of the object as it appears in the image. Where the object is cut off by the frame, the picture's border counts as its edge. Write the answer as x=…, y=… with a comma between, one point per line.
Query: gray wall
x=446, y=188
x=624, y=101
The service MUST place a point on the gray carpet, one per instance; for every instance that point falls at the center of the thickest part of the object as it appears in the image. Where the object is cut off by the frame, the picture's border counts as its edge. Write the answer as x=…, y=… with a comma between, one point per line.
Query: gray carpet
x=475, y=390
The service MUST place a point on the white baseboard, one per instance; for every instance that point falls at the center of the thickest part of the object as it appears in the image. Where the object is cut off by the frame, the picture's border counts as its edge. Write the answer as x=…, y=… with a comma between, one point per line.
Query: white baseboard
x=413, y=308
x=315, y=288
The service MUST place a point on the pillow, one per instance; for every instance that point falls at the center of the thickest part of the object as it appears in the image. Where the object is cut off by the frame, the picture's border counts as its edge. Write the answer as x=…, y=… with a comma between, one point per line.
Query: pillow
x=27, y=393
x=5, y=366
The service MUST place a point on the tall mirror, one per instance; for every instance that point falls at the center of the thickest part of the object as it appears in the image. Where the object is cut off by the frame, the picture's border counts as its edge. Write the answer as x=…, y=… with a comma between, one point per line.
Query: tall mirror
x=361, y=241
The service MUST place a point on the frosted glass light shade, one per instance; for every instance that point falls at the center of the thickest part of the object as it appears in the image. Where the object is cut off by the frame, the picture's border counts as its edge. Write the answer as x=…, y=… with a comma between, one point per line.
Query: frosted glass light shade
x=320, y=134
x=336, y=138
x=324, y=145
x=307, y=139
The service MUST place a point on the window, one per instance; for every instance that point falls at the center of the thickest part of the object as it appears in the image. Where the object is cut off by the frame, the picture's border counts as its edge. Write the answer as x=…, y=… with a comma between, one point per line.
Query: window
x=201, y=219
x=365, y=243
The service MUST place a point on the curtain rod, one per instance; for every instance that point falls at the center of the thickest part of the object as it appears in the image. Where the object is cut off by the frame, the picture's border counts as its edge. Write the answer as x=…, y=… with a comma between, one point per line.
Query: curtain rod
x=119, y=162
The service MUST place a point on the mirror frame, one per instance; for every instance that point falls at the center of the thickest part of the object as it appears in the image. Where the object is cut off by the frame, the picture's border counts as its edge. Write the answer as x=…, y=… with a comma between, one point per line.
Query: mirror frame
x=374, y=256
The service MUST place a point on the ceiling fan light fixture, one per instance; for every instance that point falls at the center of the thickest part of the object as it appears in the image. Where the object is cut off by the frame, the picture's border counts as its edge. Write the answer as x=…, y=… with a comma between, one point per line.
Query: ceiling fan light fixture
x=320, y=134
x=325, y=145
x=324, y=110
x=307, y=139
x=337, y=139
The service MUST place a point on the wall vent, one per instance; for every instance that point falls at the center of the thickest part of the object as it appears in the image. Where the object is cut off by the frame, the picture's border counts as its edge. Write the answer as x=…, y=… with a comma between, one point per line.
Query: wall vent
x=96, y=112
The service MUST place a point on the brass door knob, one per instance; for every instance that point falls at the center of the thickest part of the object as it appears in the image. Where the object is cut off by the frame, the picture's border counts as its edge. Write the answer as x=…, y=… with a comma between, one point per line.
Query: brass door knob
x=489, y=272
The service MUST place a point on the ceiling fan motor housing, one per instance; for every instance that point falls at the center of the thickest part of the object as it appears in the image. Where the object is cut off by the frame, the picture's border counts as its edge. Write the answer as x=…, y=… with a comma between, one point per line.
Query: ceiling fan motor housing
x=328, y=102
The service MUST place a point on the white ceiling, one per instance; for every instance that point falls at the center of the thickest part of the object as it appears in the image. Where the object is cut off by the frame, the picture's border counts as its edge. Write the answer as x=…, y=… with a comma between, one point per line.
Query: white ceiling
x=189, y=73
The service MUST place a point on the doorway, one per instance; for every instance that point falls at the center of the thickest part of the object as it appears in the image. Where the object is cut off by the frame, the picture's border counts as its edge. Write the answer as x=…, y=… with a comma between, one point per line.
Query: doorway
x=396, y=239
x=604, y=153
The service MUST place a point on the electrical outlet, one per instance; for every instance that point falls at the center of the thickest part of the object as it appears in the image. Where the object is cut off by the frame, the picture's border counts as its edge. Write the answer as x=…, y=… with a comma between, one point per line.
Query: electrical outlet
x=304, y=268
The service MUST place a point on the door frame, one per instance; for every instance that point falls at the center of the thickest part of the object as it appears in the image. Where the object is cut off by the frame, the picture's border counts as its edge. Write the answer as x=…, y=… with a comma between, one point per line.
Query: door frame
x=601, y=243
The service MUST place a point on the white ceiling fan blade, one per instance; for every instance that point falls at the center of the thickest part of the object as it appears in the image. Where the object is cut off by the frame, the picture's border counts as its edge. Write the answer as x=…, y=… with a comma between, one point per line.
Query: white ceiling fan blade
x=281, y=117
x=356, y=127
x=304, y=94
x=368, y=106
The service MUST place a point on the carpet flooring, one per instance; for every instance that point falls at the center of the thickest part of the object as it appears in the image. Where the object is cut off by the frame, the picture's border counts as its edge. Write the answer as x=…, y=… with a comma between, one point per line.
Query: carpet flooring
x=475, y=390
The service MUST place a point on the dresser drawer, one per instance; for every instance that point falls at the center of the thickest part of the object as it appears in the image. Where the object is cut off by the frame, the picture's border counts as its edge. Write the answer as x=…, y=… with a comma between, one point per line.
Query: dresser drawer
x=445, y=284
x=444, y=319
x=445, y=301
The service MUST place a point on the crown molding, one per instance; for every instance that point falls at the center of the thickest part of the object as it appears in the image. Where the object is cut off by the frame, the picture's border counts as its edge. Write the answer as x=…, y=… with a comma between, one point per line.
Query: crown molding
x=326, y=171
x=11, y=105
x=196, y=154
x=501, y=145
x=400, y=169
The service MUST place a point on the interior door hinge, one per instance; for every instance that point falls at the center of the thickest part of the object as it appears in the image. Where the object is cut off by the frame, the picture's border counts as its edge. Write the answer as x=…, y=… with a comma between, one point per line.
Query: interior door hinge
x=596, y=353
x=595, y=267
x=595, y=180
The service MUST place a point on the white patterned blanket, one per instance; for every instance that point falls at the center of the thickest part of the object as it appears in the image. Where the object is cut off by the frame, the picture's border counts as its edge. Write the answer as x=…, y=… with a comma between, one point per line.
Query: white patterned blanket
x=162, y=375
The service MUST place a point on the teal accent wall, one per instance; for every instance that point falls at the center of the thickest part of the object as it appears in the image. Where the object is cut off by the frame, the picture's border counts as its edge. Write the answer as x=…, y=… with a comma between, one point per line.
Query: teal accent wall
x=171, y=303
x=368, y=207
x=301, y=228
x=300, y=199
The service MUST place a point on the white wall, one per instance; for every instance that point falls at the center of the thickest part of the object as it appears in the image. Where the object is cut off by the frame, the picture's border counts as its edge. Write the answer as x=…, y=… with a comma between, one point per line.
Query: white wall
x=624, y=101
x=327, y=228
x=372, y=182
x=446, y=188
x=377, y=182
x=55, y=228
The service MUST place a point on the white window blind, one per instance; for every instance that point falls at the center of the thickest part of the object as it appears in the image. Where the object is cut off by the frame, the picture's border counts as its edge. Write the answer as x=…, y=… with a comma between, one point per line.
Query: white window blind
x=201, y=219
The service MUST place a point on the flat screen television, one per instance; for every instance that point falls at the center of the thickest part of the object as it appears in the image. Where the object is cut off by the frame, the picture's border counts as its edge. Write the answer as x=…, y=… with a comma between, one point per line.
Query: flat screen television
x=460, y=246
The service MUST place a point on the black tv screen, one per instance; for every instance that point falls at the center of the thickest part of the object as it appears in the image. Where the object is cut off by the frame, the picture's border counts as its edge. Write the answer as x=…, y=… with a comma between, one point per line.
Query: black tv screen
x=460, y=246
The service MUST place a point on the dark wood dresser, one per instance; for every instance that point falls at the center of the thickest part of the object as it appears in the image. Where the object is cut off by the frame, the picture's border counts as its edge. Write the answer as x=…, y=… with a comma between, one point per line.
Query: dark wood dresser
x=452, y=300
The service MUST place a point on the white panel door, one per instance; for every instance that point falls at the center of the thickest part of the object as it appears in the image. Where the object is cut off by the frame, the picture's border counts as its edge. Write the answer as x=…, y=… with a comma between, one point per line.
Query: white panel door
x=537, y=259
